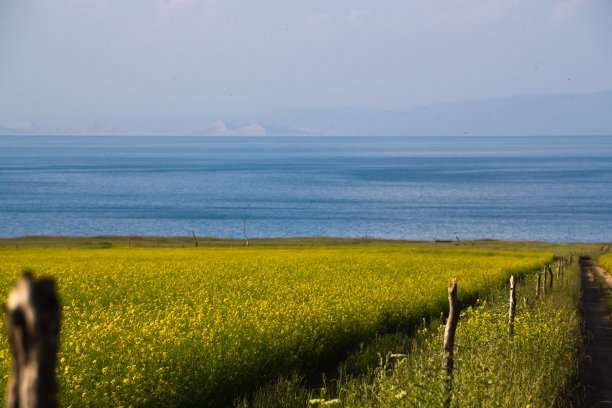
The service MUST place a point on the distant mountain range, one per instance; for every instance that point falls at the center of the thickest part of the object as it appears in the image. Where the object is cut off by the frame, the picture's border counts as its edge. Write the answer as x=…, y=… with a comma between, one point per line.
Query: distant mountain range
x=521, y=115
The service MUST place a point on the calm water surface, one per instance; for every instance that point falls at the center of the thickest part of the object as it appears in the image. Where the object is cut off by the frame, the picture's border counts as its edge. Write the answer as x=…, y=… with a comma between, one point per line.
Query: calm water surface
x=543, y=188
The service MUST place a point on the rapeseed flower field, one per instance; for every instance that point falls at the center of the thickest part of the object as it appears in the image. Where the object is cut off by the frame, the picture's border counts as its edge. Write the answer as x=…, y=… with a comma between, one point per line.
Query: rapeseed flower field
x=198, y=327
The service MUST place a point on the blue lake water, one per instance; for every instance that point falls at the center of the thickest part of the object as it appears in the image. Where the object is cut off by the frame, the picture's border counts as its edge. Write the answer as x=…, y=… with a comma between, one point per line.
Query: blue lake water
x=518, y=188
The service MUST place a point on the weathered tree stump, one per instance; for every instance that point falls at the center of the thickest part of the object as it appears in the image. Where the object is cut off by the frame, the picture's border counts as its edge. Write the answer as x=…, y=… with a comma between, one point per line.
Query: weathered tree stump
x=33, y=324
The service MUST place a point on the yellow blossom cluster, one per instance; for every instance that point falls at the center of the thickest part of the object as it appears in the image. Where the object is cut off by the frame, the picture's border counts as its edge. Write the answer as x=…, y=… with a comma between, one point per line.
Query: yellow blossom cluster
x=165, y=327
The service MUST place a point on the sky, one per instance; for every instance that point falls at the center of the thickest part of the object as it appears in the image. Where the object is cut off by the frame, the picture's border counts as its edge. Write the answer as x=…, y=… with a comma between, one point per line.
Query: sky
x=142, y=58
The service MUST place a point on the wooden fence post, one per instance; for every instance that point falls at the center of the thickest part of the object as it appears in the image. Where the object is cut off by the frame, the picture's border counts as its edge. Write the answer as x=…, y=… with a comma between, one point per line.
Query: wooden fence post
x=550, y=270
x=512, y=305
x=194, y=239
x=449, y=336
x=545, y=280
x=563, y=267
x=539, y=279
x=33, y=324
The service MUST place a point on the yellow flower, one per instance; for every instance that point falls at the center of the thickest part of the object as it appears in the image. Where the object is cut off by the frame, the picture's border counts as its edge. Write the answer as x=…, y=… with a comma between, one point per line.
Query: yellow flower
x=153, y=311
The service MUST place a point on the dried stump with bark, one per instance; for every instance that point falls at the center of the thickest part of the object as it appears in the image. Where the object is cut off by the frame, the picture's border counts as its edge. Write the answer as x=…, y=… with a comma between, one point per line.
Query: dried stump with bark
x=33, y=324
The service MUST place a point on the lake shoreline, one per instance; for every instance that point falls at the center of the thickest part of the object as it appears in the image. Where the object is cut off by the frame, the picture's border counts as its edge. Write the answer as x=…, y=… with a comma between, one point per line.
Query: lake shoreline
x=109, y=241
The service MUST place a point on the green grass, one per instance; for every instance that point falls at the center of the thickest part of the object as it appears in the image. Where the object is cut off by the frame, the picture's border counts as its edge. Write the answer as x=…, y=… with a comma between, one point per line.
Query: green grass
x=605, y=294
x=539, y=366
x=559, y=249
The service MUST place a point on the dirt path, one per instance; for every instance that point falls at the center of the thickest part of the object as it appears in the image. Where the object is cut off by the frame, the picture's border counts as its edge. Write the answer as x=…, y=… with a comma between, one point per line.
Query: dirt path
x=598, y=370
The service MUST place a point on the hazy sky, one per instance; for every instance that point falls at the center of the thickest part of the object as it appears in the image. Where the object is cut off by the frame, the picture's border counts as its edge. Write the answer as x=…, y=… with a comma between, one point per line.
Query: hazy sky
x=68, y=58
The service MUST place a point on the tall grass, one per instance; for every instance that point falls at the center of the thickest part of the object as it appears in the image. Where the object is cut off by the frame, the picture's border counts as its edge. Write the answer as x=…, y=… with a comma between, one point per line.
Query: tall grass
x=605, y=261
x=538, y=366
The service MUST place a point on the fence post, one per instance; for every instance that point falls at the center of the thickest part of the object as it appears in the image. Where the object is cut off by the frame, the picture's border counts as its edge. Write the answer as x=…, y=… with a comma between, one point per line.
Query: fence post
x=449, y=336
x=32, y=323
x=563, y=266
x=539, y=279
x=512, y=305
x=550, y=270
x=545, y=280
